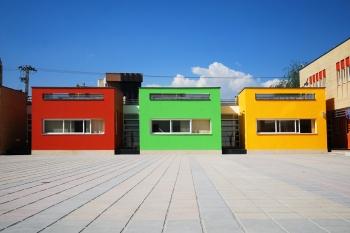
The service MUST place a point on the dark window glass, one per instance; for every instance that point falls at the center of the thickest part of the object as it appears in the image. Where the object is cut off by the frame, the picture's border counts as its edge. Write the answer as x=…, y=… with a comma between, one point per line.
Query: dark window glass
x=287, y=126
x=266, y=126
x=53, y=126
x=180, y=96
x=77, y=126
x=180, y=126
x=87, y=126
x=292, y=96
x=72, y=96
x=160, y=126
x=306, y=126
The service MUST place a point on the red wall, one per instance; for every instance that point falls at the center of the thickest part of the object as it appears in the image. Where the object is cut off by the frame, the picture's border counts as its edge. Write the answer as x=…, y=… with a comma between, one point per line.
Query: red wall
x=74, y=109
x=12, y=121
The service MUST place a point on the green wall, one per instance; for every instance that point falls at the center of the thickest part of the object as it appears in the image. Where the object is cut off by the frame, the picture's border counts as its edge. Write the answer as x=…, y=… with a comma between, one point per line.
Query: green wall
x=180, y=109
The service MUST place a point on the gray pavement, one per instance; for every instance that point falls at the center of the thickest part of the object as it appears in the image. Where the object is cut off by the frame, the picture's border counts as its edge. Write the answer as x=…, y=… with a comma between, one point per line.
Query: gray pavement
x=175, y=193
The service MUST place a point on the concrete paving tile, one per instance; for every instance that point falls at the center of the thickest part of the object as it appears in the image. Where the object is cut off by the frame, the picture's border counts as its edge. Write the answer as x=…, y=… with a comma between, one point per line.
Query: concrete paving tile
x=261, y=226
x=183, y=226
x=149, y=226
x=300, y=226
x=302, y=193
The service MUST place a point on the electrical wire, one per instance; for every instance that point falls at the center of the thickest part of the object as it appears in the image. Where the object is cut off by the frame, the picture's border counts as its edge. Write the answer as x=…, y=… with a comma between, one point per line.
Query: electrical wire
x=78, y=72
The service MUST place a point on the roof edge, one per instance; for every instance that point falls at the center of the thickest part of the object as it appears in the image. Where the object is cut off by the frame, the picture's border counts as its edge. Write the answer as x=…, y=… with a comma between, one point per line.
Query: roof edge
x=282, y=88
x=323, y=54
x=73, y=87
x=180, y=87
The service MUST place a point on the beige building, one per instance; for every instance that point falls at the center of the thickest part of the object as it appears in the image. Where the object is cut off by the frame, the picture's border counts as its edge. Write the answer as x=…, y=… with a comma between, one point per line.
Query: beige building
x=332, y=70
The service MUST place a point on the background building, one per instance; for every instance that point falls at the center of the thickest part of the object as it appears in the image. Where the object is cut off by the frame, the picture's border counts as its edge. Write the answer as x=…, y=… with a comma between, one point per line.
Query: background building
x=180, y=119
x=332, y=70
x=128, y=85
x=82, y=119
x=283, y=119
x=12, y=121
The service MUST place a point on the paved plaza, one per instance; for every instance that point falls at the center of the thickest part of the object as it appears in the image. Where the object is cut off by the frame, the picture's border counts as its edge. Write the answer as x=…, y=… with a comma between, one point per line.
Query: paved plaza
x=175, y=193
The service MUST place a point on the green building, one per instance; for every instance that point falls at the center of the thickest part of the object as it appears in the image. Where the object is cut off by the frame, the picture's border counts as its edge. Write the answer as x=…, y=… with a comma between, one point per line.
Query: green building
x=180, y=119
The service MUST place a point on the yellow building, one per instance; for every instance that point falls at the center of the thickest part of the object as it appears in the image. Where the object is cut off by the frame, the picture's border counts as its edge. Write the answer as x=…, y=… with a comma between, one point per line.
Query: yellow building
x=332, y=71
x=283, y=119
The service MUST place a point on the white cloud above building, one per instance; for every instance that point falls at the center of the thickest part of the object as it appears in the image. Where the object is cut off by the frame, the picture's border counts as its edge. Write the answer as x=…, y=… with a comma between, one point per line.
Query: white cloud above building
x=218, y=75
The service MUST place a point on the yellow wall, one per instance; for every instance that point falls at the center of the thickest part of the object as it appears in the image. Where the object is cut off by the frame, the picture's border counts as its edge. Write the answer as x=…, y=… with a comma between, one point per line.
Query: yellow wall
x=251, y=110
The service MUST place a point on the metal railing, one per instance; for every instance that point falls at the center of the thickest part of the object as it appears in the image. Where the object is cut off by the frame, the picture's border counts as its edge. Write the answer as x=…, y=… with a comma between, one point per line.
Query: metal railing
x=228, y=102
x=130, y=101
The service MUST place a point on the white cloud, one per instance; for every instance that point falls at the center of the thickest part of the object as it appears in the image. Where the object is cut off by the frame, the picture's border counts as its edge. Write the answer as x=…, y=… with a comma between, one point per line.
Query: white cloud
x=153, y=85
x=230, y=81
x=271, y=82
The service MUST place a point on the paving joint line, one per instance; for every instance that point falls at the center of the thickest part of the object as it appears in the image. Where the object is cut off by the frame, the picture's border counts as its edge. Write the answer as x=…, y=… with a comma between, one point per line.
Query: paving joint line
x=111, y=166
x=147, y=195
x=296, y=212
x=171, y=197
x=71, y=170
x=221, y=197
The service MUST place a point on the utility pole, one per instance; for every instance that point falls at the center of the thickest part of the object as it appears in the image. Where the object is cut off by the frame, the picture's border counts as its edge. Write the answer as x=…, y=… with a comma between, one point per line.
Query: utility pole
x=25, y=71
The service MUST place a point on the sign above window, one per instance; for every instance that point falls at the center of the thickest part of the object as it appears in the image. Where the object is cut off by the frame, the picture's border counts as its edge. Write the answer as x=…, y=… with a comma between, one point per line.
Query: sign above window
x=179, y=96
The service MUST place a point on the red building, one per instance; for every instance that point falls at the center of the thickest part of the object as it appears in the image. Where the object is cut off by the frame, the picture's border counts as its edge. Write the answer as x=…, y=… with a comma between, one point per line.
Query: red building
x=79, y=119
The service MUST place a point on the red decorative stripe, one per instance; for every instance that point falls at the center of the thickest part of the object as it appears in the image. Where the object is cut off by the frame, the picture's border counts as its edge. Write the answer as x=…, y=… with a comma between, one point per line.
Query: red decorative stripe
x=337, y=66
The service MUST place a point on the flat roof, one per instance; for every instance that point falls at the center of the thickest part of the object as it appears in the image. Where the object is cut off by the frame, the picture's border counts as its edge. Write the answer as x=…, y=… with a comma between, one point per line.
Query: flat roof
x=283, y=88
x=12, y=89
x=179, y=87
x=325, y=53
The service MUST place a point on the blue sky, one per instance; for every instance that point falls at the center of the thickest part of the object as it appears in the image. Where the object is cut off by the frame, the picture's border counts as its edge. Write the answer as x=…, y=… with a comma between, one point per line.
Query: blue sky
x=256, y=38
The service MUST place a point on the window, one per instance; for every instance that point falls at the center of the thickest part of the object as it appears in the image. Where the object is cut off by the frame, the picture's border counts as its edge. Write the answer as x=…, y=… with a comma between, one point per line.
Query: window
x=266, y=126
x=286, y=126
x=73, y=126
x=307, y=126
x=343, y=76
x=72, y=96
x=180, y=96
x=192, y=126
x=291, y=96
x=180, y=126
x=97, y=126
x=200, y=126
x=53, y=126
x=161, y=126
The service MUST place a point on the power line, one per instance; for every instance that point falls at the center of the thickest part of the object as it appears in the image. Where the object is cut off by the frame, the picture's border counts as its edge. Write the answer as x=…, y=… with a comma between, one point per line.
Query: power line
x=79, y=72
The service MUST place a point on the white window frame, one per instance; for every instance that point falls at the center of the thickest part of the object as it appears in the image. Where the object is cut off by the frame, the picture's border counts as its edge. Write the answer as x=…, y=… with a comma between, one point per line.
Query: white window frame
x=278, y=126
x=180, y=133
x=72, y=133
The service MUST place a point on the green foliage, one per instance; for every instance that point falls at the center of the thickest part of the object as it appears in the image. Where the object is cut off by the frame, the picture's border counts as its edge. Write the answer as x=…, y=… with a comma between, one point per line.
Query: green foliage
x=291, y=78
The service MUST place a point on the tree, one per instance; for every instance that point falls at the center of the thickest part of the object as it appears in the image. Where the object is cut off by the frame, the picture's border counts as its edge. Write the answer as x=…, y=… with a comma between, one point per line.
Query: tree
x=291, y=78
